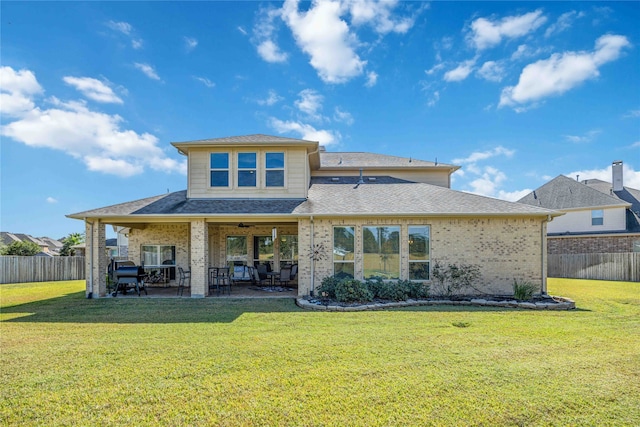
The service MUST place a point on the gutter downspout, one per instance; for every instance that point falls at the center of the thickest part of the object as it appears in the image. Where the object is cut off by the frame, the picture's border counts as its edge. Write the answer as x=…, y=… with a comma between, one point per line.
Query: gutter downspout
x=90, y=294
x=313, y=260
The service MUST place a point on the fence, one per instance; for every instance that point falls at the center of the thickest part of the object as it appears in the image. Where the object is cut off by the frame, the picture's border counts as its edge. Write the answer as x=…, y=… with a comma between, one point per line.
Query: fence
x=615, y=266
x=20, y=269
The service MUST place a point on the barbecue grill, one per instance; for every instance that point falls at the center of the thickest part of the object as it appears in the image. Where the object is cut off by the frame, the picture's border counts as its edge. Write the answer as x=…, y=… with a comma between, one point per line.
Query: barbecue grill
x=130, y=276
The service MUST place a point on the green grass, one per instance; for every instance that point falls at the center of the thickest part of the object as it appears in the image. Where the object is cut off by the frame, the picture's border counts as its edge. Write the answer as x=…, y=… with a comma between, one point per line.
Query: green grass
x=67, y=360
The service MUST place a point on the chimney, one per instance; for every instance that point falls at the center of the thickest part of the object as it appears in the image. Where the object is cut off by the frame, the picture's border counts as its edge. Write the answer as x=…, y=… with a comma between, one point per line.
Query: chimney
x=616, y=171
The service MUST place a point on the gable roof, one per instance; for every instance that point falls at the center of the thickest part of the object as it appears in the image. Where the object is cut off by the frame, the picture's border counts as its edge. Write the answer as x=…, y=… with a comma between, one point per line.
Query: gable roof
x=355, y=160
x=566, y=193
x=384, y=196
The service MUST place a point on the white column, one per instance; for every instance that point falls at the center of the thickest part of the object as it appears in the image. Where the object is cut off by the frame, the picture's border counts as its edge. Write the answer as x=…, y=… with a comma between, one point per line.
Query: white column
x=199, y=258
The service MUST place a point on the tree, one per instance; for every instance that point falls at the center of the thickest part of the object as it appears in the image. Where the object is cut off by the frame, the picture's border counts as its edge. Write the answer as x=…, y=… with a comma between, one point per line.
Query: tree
x=21, y=249
x=71, y=240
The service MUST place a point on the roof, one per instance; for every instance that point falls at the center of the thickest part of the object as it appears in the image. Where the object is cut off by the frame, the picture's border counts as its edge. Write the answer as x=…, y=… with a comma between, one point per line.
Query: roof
x=255, y=139
x=8, y=238
x=351, y=160
x=384, y=196
x=562, y=193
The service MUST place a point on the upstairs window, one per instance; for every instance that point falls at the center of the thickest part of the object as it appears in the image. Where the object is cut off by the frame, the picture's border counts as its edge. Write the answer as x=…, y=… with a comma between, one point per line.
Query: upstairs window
x=597, y=217
x=246, y=169
x=219, y=164
x=274, y=174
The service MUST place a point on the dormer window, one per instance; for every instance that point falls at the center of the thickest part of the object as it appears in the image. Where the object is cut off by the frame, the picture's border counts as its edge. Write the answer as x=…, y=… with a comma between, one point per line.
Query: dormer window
x=246, y=169
x=274, y=172
x=219, y=164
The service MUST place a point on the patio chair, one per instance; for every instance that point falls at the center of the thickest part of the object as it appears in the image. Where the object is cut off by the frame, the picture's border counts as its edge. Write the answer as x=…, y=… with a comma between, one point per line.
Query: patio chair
x=184, y=280
x=284, y=277
x=258, y=277
x=223, y=280
x=212, y=276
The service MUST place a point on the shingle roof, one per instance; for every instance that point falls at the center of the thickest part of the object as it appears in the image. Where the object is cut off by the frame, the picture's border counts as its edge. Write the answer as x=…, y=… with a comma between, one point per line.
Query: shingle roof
x=404, y=198
x=350, y=160
x=566, y=193
x=246, y=139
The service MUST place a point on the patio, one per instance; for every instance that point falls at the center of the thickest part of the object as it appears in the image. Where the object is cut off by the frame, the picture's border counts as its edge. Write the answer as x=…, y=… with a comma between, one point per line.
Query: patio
x=237, y=291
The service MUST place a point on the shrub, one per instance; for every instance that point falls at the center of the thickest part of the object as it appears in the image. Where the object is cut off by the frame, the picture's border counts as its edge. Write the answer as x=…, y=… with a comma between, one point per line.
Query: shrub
x=395, y=291
x=418, y=290
x=327, y=288
x=352, y=291
x=523, y=291
x=375, y=286
x=453, y=278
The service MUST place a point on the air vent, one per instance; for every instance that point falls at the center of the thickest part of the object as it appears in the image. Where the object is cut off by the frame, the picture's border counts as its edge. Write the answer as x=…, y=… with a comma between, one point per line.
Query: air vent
x=371, y=178
x=335, y=179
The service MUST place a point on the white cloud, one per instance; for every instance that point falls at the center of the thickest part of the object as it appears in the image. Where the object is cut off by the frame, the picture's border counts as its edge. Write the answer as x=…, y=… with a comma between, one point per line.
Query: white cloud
x=513, y=196
x=562, y=72
x=587, y=137
x=484, y=155
x=630, y=177
x=271, y=99
x=310, y=103
x=461, y=72
x=96, y=138
x=379, y=15
x=492, y=71
x=137, y=43
x=17, y=89
x=439, y=66
x=93, y=89
x=305, y=131
x=190, y=43
x=433, y=100
x=121, y=27
x=148, y=70
x=564, y=22
x=205, y=81
x=51, y=200
x=372, y=79
x=326, y=38
x=488, y=182
x=270, y=52
x=486, y=33
x=242, y=30
x=342, y=116
x=632, y=114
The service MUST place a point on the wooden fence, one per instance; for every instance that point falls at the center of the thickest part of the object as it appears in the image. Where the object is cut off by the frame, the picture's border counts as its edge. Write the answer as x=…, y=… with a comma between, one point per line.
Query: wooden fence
x=614, y=266
x=21, y=269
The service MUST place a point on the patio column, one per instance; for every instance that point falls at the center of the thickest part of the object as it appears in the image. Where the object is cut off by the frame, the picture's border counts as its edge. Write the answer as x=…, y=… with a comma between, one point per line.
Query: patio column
x=95, y=259
x=199, y=258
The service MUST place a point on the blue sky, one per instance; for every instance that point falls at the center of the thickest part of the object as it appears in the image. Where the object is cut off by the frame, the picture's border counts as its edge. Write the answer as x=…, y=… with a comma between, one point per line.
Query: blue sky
x=515, y=93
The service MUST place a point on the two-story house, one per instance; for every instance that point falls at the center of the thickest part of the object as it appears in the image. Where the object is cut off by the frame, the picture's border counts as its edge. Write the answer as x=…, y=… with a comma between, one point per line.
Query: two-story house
x=266, y=199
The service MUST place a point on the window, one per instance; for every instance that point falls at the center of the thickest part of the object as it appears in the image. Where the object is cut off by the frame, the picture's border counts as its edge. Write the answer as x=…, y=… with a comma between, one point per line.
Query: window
x=419, y=252
x=246, y=169
x=263, y=250
x=158, y=254
x=597, y=217
x=381, y=252
x=219, y=164
x=236, y=250
x=274, y=173
x=343, y=249
x=288, y=249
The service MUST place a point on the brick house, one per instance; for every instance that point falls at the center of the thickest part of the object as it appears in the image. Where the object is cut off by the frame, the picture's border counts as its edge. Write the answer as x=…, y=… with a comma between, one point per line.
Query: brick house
x=274, y=200
x=600, y=216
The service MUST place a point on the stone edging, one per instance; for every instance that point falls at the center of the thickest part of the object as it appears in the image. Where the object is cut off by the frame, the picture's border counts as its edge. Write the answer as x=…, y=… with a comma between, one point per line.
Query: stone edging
x=559, y=303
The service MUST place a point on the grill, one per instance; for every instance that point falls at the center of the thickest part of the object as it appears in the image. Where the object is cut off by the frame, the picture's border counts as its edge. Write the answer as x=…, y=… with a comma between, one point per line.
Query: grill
x=129, y=277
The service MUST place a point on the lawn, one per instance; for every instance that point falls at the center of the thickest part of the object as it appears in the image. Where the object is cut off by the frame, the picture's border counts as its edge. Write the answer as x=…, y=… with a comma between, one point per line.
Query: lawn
x=67, y=360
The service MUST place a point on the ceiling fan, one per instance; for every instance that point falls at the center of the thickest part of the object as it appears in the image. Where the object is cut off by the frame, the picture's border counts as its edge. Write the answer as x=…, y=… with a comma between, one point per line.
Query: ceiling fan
x=242, y=225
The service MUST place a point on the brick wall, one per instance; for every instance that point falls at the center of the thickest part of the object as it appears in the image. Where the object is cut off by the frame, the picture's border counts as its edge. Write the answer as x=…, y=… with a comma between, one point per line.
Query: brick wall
x=559, y=245
x=161, y=234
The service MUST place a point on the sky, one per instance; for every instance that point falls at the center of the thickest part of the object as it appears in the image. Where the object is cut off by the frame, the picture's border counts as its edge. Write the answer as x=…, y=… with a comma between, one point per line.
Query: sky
x=516, y=93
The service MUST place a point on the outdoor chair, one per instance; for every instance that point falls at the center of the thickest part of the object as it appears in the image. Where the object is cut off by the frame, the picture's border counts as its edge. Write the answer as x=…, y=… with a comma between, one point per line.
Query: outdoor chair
x=223, y=280
x=212, y=277
x=284, y=277
x=184, y=280
x=258, y=278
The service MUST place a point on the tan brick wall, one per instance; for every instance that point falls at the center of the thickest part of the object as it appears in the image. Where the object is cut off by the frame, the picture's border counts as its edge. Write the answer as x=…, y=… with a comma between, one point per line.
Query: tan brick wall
x=504, y=249
x=161, y=234
x=99, y=262
x=591, y=244
x=199, y=258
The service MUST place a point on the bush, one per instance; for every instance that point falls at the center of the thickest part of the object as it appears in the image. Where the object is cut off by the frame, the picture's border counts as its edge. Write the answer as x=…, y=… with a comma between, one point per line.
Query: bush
x=375, y=286
x=418, y=290
x=21, y=249
x=523, y=291
x=395, y=291
x=352, y=291
x=453, y=278
x=327, y=288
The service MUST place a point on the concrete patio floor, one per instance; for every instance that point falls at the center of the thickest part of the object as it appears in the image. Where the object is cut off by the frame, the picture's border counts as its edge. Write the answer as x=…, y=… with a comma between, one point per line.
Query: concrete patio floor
x=237, y=291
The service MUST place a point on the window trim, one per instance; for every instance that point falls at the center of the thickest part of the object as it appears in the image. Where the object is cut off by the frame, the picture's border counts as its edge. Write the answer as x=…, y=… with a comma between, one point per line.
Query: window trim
x=227, y=169
x=421, y=261
x=399, y=228
x=254, y=169
x=274, y=169
x=333, y=242
x=597, y=220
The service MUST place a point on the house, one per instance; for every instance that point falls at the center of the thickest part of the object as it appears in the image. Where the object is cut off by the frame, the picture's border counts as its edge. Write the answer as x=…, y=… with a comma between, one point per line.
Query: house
x=600, y=217
x=260, y=199
x=48, y=246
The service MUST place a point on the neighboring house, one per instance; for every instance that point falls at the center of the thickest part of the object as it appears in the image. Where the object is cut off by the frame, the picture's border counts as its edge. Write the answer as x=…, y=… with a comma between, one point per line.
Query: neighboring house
x=110, y=247
x=266, y=199
x=600, y=217
x=55, y=246
x=47, y=245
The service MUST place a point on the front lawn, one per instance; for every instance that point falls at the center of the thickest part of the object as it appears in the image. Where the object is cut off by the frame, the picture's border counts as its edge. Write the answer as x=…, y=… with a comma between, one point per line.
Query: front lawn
x=67, y=360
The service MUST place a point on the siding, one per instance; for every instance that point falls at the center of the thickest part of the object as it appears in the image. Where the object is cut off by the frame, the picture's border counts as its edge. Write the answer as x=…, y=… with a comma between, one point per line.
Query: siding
x=580, y=221
x=296, y=176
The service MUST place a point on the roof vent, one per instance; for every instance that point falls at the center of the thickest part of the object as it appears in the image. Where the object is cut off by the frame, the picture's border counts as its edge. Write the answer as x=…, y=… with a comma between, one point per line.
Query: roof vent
x=371, y=178
x=340, y=162
x=335, y=179
x=361, y=181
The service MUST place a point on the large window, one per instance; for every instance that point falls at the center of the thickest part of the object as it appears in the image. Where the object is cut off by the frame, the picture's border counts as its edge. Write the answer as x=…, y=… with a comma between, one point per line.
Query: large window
x=158, y=254
x=237, y=250
x=343, y=249
x=288, y=249
x=419, y=252
x=219, y=163
x=597, y=217
x=381, y=252
x=274, y=173
x=263, y=250
x=246, y=169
